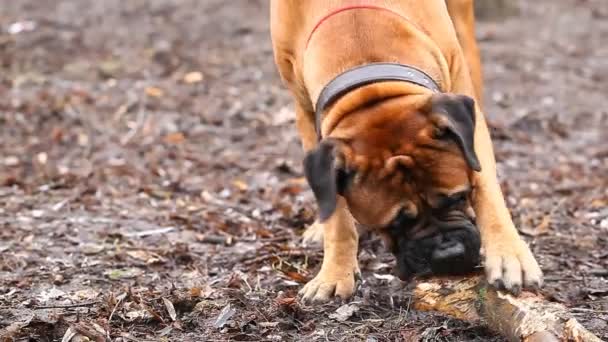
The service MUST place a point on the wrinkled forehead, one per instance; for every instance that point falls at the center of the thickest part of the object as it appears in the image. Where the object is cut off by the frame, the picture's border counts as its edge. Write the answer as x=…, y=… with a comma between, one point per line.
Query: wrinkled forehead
x=383, y=129
x=376, y=198
x=441, y=169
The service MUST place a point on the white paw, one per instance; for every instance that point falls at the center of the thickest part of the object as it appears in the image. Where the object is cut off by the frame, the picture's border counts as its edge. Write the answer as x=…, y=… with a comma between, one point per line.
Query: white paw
x=510, y=265
x=313, y=235
x=330, y=282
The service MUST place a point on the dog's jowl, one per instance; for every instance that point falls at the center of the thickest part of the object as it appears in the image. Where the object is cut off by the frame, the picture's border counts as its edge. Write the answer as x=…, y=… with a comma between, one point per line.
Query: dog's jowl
x=387, y=98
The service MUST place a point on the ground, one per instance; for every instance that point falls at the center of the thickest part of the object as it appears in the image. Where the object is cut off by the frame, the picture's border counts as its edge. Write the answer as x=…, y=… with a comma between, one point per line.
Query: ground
x=151, y=184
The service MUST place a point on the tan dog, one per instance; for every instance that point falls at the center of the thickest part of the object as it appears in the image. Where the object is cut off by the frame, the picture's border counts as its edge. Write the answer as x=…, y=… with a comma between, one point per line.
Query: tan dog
x=393, y=149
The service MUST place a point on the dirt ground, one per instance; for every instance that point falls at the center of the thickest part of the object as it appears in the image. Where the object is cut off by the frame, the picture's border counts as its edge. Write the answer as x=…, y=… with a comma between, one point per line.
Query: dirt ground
x=151, y=184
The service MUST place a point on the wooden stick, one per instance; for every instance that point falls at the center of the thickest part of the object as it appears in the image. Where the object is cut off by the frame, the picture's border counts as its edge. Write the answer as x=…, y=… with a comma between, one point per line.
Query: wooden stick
x=527, y=317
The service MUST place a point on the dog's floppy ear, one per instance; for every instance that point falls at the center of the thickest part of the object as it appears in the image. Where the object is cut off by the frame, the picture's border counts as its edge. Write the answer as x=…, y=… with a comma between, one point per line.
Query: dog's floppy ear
x=456, y=120
x=325, y=179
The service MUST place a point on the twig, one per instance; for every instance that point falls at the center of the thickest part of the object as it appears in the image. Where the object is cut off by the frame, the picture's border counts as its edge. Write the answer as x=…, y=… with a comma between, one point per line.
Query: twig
x=589, y=310
x=120, y=299
x=66, y=306
x=528, y=317
x=249, y=262
x=219, y=204
x=145, y=233
x=141, y=119
x=217, y=239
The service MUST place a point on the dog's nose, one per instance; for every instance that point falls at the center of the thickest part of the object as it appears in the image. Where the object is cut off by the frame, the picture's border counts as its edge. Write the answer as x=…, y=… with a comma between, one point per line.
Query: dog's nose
x=458, y=252
x=448, y=251
x=453, y=247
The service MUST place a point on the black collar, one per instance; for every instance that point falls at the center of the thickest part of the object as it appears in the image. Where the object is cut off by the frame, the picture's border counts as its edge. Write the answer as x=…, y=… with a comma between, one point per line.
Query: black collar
x=364, y=75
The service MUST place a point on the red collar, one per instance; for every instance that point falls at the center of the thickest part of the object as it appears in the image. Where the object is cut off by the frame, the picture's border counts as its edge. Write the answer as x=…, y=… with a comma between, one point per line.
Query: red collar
x=348, y=8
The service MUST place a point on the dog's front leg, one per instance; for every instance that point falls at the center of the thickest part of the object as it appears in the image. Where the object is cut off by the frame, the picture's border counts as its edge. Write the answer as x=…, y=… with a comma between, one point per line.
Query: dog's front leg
x=509, y=263
x=340, y=267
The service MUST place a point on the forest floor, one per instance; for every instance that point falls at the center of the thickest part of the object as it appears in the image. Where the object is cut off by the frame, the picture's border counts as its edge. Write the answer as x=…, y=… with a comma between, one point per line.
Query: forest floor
x=151, y=186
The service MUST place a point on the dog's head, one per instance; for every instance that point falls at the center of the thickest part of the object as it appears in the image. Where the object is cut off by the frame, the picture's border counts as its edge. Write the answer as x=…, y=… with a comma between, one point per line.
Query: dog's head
x=405, y=159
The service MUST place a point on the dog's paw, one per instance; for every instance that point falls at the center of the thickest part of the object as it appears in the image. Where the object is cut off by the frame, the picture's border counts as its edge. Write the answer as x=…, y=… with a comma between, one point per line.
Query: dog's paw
x=313, y=235
x=338, y=281
x=510, y=265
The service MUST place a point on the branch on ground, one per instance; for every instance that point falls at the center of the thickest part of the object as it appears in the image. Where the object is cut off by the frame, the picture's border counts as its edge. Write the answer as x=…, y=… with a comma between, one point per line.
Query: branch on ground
x=528, y=317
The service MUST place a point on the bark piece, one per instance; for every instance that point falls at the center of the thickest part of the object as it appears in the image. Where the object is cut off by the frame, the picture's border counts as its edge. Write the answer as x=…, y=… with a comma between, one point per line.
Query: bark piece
x=527, y=317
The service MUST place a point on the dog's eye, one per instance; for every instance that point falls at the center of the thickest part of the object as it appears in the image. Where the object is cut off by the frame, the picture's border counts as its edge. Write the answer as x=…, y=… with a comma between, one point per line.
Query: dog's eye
x=454, y=200
x=441, y=133
x=343, y=179
x=403, y=219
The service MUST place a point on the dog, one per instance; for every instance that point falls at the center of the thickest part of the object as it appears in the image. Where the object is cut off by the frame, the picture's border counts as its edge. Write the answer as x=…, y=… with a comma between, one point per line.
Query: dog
x=388, y=108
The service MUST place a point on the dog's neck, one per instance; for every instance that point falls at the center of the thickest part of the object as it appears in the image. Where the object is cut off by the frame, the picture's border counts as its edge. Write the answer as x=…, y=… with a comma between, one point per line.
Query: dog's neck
x=410, y=95
x=340, y=44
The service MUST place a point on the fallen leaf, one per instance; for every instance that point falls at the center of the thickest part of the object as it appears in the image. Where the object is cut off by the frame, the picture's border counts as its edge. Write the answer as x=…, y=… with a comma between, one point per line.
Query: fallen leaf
x=11, y=161
x=170, y=309
x=344, y=312
x=133, y=315
x=23, y=322
x=174, y=138
x=150, y=232
x=154, y=92
x=263, y=233
x=283, y=116
x=145, y=256
x=83, y=332
x=84, y=294
x=268, y=324
x=109, y=68
x=599, y=203
x=49, y=294
x=193, y=77
x=22, y=26
x=297, y=277
x=37, y=213
x=541, y=229
x=42, y=157
x=165, y=331
x=239, y=184
x=69, y=334
x=287, y=301
x=409, y=335
x=98, y=328
x=226, y=313
x=127, y=273
x=387, y=277
x=91, y=249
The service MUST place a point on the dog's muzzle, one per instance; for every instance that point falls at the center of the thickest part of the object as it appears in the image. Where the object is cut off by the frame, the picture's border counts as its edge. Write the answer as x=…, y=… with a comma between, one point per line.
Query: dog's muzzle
x=446, y=245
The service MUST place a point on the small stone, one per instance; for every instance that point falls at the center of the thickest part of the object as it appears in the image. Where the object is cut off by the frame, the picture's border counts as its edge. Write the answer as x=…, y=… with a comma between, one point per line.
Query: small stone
x=193, y=77
x=58, y=279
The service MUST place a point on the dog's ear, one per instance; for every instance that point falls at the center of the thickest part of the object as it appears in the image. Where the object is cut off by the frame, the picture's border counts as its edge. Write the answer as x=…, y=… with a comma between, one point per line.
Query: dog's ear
x=326, y=180
x=455, y=119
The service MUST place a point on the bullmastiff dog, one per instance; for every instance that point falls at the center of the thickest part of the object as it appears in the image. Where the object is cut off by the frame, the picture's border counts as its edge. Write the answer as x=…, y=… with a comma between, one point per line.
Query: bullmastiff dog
x=388, y=107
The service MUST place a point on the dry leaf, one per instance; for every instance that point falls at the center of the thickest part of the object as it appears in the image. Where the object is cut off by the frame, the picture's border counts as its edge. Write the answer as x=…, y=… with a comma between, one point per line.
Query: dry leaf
x=541, y=229
x=69, y=334
x=297, y=277
x=170, y=308
x=42, y=157
x=91, y=249
x=226, y=313
x=193, y=77
x=154, y=92
x=287, y=301
x=344, y=312
x=127, y=273
x=239, y=184
x=175, y=138
x=145, y=256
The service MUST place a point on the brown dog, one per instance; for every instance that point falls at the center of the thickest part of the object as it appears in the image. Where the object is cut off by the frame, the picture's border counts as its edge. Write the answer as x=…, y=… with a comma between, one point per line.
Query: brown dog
x=384, y=102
